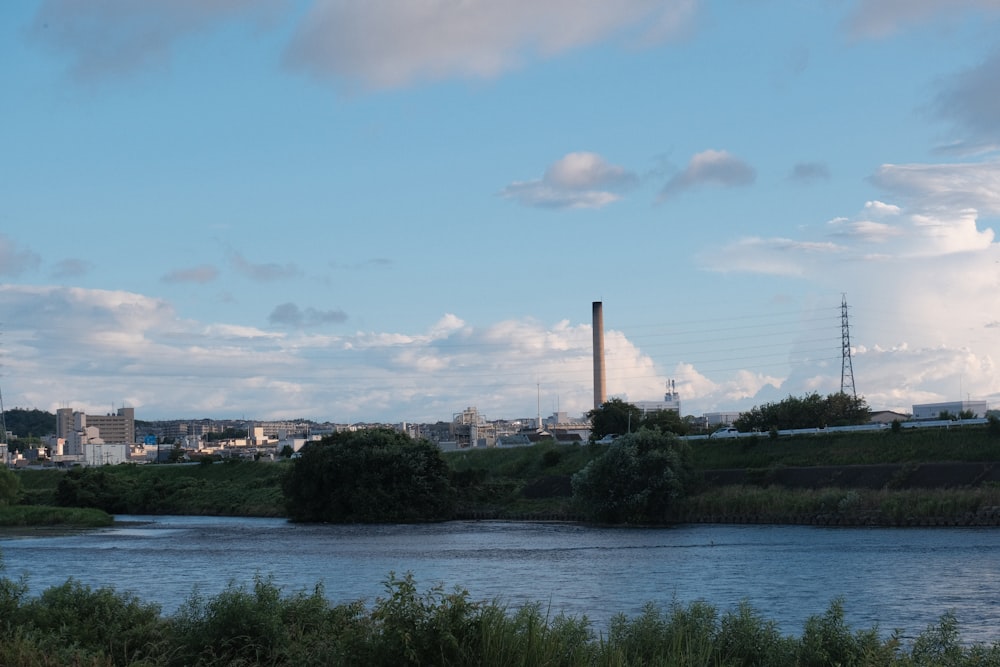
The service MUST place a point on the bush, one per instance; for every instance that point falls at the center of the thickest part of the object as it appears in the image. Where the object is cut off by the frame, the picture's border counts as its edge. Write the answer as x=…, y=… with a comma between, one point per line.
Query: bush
x=372, y=476
x=74, y=619
x=635, y=480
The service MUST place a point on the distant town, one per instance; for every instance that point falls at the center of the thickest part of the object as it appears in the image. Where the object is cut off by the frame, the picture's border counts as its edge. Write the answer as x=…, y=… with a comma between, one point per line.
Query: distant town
x=114, y=438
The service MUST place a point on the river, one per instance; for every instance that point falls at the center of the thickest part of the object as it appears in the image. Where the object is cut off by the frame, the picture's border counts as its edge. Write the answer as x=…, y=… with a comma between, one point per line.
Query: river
x=895, y=578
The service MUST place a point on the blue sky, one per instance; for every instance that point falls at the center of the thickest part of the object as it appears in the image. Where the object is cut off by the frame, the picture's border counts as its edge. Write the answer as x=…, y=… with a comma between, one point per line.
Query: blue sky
x=391, y=211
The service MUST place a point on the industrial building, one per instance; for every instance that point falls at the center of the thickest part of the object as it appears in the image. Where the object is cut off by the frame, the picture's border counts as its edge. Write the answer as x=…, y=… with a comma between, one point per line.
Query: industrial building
x=953, y=408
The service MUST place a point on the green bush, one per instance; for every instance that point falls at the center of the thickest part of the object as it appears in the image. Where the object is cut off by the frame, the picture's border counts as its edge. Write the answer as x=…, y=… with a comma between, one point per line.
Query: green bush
x=73, y=619
x=371, y=476
x=635, y=480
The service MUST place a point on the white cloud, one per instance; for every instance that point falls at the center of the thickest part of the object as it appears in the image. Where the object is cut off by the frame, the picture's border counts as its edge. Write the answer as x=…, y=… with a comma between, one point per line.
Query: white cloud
x=92, y=347
x=14, y=260
x=398, y=42
x=710, y=167
x=880, y=18
x=576, y=180
x=922, y=277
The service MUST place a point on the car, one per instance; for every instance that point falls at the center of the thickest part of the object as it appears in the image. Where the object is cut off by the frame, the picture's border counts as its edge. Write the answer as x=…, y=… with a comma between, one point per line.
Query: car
x=608, y=439
x=726, y=432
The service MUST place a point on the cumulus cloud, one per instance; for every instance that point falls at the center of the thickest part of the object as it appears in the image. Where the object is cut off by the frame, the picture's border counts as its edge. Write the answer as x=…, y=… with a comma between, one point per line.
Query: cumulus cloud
x=576, y=180
x=880, y=18
x=809, y=172
x=14, y=260
x=970, y=100
x=202, y=274
x=710, y=167
x=112, y=37
x=113, y=345
x=71, y=268
x=397, y=42
x=921, y=275
x=262, y=272
x=289, y=314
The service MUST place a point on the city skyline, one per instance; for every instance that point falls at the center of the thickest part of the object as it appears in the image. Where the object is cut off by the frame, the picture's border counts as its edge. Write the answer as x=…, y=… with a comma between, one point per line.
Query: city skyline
x=387, y=212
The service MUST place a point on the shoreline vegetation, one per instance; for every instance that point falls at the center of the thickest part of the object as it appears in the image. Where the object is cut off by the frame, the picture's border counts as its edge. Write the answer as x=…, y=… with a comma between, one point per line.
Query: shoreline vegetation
x=910, y=478
x=259, y=624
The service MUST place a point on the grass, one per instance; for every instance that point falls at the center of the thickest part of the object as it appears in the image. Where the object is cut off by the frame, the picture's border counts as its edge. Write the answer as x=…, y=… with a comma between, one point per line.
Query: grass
x=967, y=443
x=230, y=489
x=258, y=624
x=21, y=516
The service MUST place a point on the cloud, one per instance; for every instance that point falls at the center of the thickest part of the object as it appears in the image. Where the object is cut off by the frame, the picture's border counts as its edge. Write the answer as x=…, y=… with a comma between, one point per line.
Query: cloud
x=398, y=42
x=922, y=278
x=809, y=172
x=86, y=347
x=775, y=256
x=198, y=274
x=576, y=180
x=290, y=314
x=71, y=268
x=881, y=18
x=265, y=272
x=710, y=167
x=949, y=186
x=13, y=260
x=971, y=101
x=106, y=38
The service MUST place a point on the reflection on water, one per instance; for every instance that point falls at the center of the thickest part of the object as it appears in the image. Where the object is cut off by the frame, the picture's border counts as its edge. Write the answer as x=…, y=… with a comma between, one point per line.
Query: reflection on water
x=896, y=578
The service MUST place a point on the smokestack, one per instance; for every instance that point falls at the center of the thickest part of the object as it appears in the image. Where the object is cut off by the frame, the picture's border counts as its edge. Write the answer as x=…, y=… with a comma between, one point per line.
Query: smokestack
x=600, y=393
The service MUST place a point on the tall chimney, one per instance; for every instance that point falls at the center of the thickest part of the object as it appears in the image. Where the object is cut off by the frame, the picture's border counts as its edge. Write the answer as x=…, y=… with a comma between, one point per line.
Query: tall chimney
x=600, y=393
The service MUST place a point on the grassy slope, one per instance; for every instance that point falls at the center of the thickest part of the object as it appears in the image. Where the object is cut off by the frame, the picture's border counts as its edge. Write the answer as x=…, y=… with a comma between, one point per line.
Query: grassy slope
x=236, y=489
x=970, y=443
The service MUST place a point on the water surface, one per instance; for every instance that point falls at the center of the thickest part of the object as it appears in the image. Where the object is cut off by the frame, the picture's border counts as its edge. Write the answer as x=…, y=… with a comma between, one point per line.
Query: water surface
x=896, y=578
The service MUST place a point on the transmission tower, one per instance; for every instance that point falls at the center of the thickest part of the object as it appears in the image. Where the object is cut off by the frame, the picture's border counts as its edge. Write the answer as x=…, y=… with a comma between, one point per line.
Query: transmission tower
x=846, y=367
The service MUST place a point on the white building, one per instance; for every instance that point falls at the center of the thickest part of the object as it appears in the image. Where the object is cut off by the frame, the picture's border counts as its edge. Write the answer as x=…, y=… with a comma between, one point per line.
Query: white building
x=671, y=401
x=953, y=408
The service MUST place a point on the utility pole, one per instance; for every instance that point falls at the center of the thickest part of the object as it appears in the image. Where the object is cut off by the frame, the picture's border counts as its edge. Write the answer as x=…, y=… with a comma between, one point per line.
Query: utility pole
x=846, y=367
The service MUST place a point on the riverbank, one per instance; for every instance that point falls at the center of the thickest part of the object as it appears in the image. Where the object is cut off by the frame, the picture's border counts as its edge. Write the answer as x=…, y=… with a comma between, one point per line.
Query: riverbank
x=945, y=478
x=17, y=518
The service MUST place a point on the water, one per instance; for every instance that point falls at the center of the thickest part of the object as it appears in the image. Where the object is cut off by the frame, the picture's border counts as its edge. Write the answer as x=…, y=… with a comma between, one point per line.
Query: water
x=896, y=578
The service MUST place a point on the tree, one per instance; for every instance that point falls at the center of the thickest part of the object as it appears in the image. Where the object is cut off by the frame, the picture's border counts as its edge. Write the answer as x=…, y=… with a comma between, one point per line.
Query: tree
x=635, y=480
x=370, y=476
x=667, y=421
x=810, y=411
x=10, y=487
x=614, y=417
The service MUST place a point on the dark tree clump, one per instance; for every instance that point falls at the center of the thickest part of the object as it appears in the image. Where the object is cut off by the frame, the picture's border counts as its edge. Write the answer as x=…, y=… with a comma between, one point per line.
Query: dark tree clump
x=635, y=480
x=811, y=411
x=370, y=476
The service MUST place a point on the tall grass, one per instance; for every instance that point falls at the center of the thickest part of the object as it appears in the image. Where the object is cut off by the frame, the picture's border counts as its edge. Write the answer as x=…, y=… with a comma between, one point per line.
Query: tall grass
x=258, y=624
x=888, y=505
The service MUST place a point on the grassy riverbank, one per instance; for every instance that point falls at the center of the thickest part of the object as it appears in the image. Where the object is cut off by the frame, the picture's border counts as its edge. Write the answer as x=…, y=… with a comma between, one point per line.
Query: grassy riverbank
x=261, y=625
x=28, y=516
x=227, y=489
x=534, y=482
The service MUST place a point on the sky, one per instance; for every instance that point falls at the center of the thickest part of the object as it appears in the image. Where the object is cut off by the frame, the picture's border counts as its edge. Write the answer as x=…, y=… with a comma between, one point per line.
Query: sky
x=390, y=211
